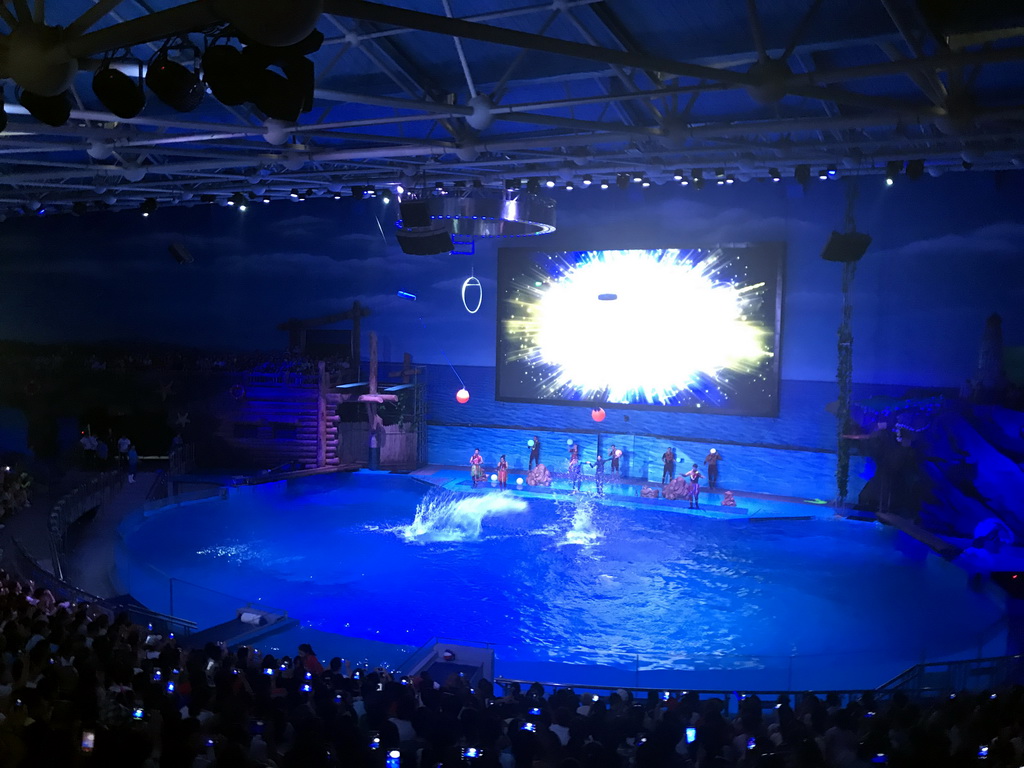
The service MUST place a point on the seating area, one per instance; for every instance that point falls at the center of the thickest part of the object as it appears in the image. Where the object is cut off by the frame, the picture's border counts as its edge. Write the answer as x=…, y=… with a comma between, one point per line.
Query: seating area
x=81, y=685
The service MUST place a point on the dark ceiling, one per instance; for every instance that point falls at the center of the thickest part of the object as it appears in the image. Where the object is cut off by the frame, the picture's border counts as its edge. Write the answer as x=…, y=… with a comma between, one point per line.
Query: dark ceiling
x=426, y=91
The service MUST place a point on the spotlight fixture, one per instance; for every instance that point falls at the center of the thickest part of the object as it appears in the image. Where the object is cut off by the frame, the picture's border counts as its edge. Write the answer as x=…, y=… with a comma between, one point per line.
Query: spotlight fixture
x=118, y=92
x=371, y=191
x=385, y=196
x=229, y=75
x=266, y=198
x=730, y=179
x=622, y=180
x=678, y=175
x=697, y=174
x=802, y=173
x=587, y=180
x=51, y=110
x=774, y=175
x=174, y=84
x=147, y=206
x=511, y=185
x=533, y=186
x=638, y=178
x=719, y=173
x=684, y=181
x=439, y=188
x=645, y=182
x=569, y=186
x=207, y=198
x=605, y=184
x=892, y=170
x=698, y=183
x=337, y=195
x=237, y=199
x=823, y=174
x=915, y=169
x=550, y=183
x=720, y=181
x=295, y=193
x=831, y=171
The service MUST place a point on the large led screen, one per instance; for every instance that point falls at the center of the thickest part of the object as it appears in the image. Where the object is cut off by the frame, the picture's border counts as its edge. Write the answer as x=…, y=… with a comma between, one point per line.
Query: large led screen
x=684, y=329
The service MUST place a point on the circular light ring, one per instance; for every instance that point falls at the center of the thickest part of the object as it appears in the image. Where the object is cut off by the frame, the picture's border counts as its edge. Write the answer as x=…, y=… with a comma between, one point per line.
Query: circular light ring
x=494, y=213
x=473, y=282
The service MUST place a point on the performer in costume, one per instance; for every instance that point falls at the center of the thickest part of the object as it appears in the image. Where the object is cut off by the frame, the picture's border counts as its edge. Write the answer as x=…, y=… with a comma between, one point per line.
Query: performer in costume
x=669, y=473
x=476, y=467
x=598, y=466
x=711, y=461
x=534, y=453
x=502, y=472
x=695, y=476
x=615, y=454
x=575, y=473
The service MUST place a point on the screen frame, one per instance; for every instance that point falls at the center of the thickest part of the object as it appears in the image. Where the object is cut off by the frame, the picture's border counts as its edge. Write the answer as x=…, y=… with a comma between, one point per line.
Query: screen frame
x=772, y=249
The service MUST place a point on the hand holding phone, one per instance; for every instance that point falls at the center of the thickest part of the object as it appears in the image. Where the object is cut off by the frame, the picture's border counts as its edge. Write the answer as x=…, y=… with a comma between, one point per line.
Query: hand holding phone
x=88, y=741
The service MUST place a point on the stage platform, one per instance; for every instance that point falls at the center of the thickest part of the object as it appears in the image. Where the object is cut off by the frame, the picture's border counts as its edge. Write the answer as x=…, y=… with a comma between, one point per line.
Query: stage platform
x=625, y=492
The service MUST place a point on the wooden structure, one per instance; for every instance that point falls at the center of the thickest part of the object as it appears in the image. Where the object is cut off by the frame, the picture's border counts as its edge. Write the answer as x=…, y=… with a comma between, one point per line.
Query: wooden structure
x=297, y=330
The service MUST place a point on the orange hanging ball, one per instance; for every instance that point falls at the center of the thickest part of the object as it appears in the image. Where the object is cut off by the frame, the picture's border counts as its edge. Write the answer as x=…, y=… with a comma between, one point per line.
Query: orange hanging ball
x=597, y=414
x=462, y=395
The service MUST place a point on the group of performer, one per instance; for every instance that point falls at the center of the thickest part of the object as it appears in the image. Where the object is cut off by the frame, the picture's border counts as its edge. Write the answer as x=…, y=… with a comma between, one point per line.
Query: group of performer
x=613, y=458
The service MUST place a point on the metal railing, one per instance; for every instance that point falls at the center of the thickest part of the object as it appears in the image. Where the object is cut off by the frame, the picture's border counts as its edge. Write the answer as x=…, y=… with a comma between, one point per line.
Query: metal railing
x=28, y=570
x=71, y=507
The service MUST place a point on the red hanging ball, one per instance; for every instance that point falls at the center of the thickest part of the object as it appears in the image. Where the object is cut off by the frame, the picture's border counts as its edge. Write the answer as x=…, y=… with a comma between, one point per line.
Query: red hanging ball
x=462, y=395
x=597, y=414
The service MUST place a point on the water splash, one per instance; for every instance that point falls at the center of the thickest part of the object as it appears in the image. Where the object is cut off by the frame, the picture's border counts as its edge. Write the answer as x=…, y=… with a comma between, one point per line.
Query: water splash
x=446, y=516
x=583, y=531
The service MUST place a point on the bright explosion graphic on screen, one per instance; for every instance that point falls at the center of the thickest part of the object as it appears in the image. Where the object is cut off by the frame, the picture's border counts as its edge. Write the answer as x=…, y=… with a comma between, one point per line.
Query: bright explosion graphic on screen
x=640, y=326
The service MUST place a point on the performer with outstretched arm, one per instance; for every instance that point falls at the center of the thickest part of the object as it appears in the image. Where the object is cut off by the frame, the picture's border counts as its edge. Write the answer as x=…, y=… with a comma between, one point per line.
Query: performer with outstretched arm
x=598, y=466
x=694, y=476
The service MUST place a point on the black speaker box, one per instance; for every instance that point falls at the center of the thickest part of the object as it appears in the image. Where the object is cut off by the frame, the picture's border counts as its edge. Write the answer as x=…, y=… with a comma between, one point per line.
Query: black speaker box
x=846, y=246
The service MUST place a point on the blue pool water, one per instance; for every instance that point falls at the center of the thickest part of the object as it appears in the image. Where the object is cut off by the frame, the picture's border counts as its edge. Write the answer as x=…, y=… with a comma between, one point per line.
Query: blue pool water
x=389, y=558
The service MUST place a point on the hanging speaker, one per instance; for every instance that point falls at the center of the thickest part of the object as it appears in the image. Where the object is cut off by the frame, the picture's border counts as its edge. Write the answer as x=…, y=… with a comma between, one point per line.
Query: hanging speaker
x=846, y=246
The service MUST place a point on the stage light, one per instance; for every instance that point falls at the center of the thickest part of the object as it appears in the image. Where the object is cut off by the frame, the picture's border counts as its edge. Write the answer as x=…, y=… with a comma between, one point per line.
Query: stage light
x=118, y=92
x=550, y=183
x=462, y=395
x=684, y=181
x=337, y=195
x=229, y=74
x=698, y=183
x=622, y=181
x=915, y=169
x=774, y=174
x=892, y=170
x=605, y=184
x=236, y=199
x=266, y=199
x=679, y=176
x=823, y=174
x=645, y=182
x=174, y=84
x=406, y=295
x=511, y=185
x=831, y=171
x=587, y=180
x=294, y=193
x=698, y=173
x=51, y=110
x=802, y=173
x=207, y=198
x=385, y=196
x=569, y=186
x=371, y=191
x=439, y=188
x=147, y=206
x=730, y=179
x=638, y=178
x=719, y=173
x=720, y=181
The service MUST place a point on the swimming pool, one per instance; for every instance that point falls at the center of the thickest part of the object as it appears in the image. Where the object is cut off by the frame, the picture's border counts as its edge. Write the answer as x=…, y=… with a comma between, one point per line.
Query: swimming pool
x=566, y=579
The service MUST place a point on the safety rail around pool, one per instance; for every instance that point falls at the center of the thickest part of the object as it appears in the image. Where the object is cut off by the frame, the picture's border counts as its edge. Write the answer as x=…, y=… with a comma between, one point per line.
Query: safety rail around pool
x=965, y=675
x=72, y=506
x=28, y=569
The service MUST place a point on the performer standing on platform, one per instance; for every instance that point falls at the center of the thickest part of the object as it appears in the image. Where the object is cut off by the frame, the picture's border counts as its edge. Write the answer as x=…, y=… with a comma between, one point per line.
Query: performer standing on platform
x=575, y=473
x=695, y=476
x=502, y=472
x=598, y=466
x=534, y=453
x=711, y=461
x=669, y=473
x=476, y=467
x=615, y=454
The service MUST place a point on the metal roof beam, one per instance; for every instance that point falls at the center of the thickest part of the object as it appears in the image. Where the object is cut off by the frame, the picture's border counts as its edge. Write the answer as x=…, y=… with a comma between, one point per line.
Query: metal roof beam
x=426, y=22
